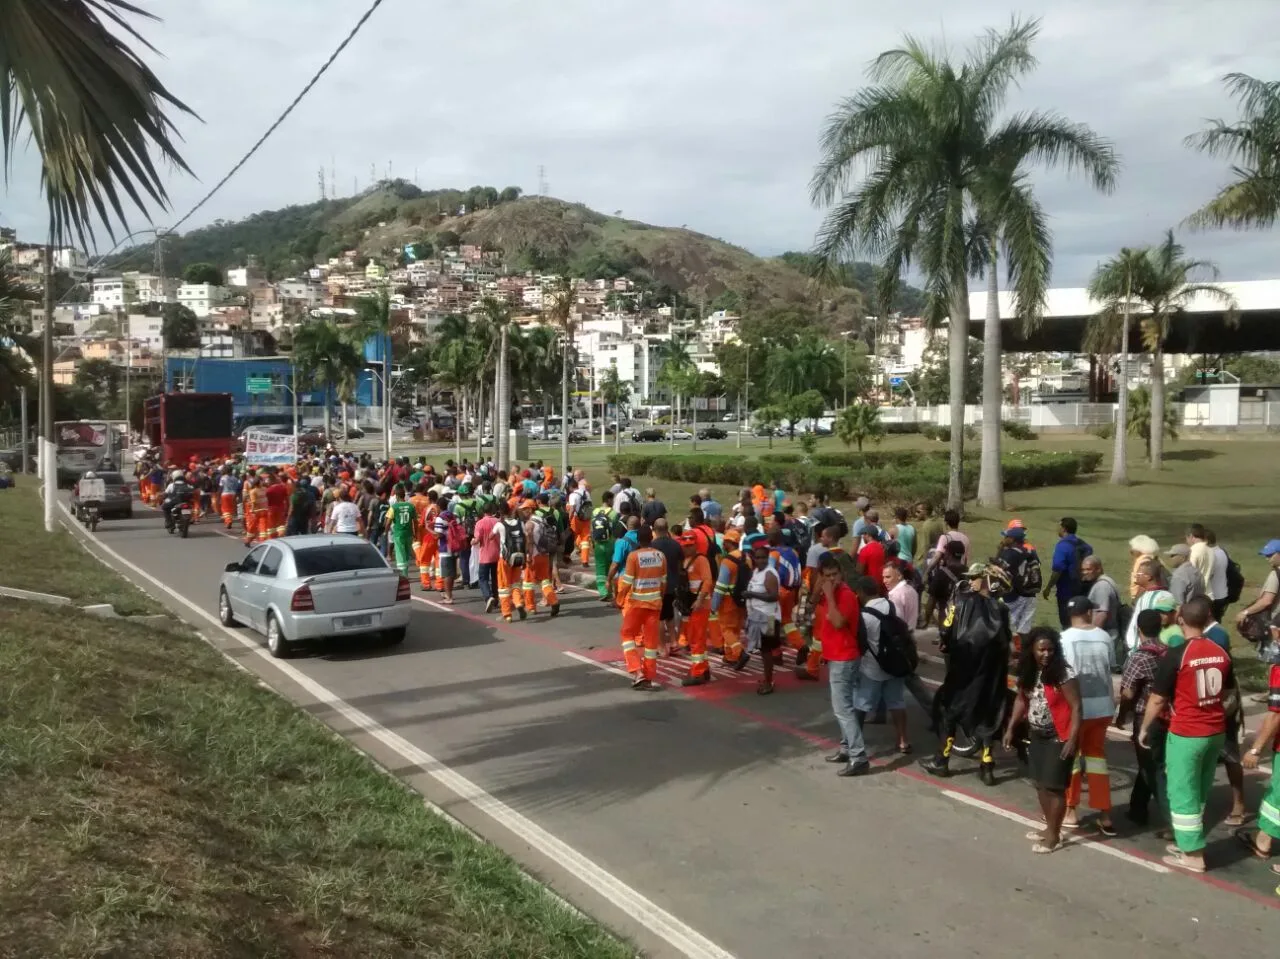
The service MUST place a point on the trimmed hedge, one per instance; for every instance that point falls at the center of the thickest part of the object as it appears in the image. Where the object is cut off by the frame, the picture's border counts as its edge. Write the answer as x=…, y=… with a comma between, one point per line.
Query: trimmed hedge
x=901, y=476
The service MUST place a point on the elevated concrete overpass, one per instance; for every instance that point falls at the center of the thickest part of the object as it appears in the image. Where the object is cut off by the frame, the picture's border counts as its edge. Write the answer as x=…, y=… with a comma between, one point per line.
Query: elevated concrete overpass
x=1202, y=330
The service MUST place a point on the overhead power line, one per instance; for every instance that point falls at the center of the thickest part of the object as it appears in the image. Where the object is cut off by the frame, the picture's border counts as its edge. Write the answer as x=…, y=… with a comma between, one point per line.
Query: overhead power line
x=283, y=116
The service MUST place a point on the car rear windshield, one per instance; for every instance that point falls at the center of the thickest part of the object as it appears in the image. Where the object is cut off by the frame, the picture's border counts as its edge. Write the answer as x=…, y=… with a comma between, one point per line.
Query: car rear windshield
x=337, y=558
x=111, y=479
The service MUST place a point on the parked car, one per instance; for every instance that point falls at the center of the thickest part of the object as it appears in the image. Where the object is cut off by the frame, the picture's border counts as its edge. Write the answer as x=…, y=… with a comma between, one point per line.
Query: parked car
x=712, y=433
x=681, y=434
x=728, y=418
x=302, y=588
x=579, y=436
x=355, y=433
x=648, y=436
x=119, y=501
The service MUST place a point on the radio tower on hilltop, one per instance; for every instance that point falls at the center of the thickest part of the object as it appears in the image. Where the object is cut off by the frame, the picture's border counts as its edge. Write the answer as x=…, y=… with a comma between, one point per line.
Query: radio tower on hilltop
x=322, y=193
x=544, y=188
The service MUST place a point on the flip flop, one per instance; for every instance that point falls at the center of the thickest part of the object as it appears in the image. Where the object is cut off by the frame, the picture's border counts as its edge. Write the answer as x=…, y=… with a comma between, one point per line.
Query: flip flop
x=1040, y=849
x=1248, y=839
x=764, y=689
x=1035, y=836
x=1237, y=819
x=1184, y=862
x=1108, y=830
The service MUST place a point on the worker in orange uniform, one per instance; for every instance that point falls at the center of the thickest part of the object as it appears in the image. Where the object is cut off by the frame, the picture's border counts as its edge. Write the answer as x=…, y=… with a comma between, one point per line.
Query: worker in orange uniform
x=256, y=514
x=786, y=562
x=277, y=507
x=229, y=495
x=640, y=589
x=512, y=556
x=537, y=568
x=694, y=629
x=427, y=548
x=727, y=612
x=580, y=518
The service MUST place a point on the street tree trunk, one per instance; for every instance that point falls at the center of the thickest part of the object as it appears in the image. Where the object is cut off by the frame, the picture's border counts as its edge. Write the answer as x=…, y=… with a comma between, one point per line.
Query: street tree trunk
x=564, y=409
x=675, y=415
x=1120, y=466
x=990, y=478
x=328, y=413
x=617, y=427
x=459, y=419
x=480, y=423
x=958, y=347
x=1157, y=409
x=503, y=410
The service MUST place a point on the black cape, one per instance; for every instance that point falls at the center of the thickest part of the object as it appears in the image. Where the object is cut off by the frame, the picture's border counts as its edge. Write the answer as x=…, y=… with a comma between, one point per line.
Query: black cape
x=977, y=639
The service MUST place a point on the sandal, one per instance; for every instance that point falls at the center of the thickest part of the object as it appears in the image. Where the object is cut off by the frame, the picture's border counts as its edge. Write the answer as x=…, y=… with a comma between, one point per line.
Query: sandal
x=764, y=689
x=1035, y=835
x=1181, y=861
x=905, y=749
x=1248, y=839
x=1107, y=829
x=1237, y=819
x=1041, y=849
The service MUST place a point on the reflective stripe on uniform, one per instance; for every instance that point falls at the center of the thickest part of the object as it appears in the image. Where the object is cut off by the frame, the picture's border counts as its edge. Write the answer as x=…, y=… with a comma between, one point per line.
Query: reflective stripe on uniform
x=1183, y=822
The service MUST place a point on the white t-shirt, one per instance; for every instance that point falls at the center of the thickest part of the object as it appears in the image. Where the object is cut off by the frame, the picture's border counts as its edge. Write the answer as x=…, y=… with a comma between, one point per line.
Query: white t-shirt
x=762, y=607
x=1091, y=654
x=345, y=517
x=1218, y=574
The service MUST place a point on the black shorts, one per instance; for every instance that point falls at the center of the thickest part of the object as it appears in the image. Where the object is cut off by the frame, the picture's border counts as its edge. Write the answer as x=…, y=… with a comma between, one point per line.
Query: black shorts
x=1045, y=764
x=668, y=608
x=448, y=567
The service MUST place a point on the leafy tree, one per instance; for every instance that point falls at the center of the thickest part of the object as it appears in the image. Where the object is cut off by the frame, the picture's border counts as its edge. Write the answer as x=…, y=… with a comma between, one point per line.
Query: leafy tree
x=448, y=240
x=675, y=365
x=101, y=377
x=423, y=249
x=1140, y=417
x=931, y=384
x=1252, y=144
x=615, y=392
x=1113, y=284
x=930, y=133
x=768, y=418
x=325, y=355
x=1162, y=281
x=798, y=407
x=179, y=328
x=808, y=363
x=858, y=423
x=1244, y=366
x=560, y=312
x=509, y=194
x=374, y=320
x=95, y=111
x=202, y=273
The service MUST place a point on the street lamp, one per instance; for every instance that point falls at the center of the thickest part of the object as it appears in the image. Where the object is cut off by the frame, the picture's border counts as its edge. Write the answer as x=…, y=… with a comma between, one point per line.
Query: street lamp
x=845, y=336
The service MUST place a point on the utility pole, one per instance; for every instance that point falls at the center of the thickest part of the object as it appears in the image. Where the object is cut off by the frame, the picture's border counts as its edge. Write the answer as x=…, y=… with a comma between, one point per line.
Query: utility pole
x=22, y=400
x=48, y=454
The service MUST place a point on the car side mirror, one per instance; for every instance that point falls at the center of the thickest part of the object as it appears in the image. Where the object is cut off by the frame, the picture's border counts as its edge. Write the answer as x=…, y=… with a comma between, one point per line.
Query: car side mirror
x=233, y=567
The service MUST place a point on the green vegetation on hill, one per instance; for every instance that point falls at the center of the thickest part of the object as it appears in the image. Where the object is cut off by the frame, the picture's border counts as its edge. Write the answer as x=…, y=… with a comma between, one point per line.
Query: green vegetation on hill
x=533, y=233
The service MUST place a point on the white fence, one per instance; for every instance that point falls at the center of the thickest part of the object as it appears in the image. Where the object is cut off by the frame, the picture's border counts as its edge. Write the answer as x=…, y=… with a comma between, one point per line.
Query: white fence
x=1081, y=417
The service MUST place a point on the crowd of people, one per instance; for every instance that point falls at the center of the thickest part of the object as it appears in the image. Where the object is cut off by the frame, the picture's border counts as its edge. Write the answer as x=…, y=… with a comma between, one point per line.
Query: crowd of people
x=770, y=574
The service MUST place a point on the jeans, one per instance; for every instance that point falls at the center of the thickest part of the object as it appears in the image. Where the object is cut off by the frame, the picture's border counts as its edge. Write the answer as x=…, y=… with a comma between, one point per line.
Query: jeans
x=1150, y=782
x=464, y=566
x=843, y=677
x=488, y=581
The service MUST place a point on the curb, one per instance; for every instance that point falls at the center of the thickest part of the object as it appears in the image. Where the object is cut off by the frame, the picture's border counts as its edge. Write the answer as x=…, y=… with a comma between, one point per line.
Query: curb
x=103, y=610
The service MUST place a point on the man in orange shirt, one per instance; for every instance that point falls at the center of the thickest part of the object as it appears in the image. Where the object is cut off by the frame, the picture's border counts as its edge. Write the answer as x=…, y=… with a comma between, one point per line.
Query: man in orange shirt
x=726, y=614
x=693, y=632
x=256, y=516
x=640, y=590
x=277, y=508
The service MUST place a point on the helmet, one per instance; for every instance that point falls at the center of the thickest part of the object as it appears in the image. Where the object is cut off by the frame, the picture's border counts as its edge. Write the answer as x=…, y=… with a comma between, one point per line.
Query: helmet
x=90, y=474
x=177, y=475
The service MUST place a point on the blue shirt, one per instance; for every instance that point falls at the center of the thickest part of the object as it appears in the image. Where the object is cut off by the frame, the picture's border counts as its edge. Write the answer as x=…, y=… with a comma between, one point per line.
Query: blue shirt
x=778, y=497
x=711, y=509
x=623, y=547
x=1219, y=635
x=1065, y=565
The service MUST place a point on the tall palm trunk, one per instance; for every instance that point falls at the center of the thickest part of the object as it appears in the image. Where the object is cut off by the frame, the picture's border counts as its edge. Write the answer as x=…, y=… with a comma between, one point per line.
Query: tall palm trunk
x=328, y=412
x=459, y=424
x=1157, y=408
x=617, y=427
x=564, y=409
x=675, y=421
x=503, y=401
x=480, y=424
x=958, y=346
x=990, y=478
x=1120, y=466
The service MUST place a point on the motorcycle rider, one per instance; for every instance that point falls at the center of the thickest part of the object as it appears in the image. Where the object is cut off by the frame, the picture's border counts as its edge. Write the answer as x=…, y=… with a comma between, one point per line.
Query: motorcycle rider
x=178, y=491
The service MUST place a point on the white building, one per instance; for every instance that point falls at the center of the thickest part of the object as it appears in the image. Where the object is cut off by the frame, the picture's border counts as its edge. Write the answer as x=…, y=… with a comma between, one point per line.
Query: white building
x=149, y=288
x=238, y=276
x=70, y=259
x=114, y=292
x=200, y=298
x=532, y=297
x=304, y=291
x=145, y=331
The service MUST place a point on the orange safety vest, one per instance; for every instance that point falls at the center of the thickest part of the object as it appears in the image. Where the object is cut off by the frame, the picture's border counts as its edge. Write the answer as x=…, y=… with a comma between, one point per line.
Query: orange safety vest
x=644, y=579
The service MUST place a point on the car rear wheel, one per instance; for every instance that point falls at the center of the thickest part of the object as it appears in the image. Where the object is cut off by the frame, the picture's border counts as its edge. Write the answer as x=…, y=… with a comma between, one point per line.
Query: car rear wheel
x=395, y=636
x=277, y=645
x=225, y=615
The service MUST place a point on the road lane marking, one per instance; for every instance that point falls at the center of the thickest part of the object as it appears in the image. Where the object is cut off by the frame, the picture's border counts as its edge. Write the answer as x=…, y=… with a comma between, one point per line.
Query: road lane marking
x=598, y=665
x=657, y=920
x=1069, y=840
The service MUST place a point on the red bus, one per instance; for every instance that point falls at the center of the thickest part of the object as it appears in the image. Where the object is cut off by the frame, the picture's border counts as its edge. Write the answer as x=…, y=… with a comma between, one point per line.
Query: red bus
x=187, y=425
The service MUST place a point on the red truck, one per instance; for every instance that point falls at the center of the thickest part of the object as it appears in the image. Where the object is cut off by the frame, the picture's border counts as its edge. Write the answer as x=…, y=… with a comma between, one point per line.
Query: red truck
x=189, y=425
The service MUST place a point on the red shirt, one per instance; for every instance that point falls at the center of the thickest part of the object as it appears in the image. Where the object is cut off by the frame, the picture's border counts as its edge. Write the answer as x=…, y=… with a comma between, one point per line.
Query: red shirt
x=872, y=558
x=1194, y=677
x=277, y=496
x=839, y=645
x=1273, y=699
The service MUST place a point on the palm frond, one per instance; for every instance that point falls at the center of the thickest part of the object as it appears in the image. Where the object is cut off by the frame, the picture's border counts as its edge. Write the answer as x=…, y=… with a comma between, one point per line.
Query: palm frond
x=1052, y=140
x=94, y=110
x=996, y=61
x=1028, y=247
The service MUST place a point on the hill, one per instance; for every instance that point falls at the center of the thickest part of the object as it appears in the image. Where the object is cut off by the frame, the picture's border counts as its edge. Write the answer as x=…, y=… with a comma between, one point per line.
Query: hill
x=537, y=233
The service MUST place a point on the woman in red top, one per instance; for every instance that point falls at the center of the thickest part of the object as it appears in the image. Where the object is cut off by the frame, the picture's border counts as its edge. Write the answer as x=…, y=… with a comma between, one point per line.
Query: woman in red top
x=1049, y=699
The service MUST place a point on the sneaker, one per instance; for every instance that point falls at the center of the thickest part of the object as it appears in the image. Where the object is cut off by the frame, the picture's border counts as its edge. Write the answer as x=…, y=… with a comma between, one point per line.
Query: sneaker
x=523, y=614
x=741, y=664
x=555, y=610
x=506, y=619
x=854, y=769
x=937, y=765
x=489, y=604
x=645, y=685
x=696, y=680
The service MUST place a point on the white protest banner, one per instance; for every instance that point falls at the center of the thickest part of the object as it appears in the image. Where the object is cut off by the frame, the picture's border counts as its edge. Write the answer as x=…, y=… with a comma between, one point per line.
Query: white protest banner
x=269, y=449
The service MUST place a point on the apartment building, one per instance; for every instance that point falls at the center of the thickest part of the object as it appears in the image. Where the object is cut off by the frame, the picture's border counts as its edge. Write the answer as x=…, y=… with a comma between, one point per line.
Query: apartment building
x=114, y=292
x=200, y=298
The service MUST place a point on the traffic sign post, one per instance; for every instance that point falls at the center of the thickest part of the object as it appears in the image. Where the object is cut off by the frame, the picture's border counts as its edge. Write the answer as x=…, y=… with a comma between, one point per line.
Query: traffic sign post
x=258, y=384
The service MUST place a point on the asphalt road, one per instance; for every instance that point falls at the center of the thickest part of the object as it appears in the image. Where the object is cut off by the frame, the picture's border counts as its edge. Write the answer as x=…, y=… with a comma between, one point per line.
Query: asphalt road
x=715, y=804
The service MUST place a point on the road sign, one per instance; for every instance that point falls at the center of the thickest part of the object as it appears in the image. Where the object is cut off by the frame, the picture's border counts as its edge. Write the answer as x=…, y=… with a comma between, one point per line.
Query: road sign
x=896, y=381
x=258, y=384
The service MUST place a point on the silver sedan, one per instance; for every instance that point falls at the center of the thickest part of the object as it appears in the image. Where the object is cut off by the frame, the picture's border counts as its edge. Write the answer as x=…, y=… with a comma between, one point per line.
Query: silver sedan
x=314, y=587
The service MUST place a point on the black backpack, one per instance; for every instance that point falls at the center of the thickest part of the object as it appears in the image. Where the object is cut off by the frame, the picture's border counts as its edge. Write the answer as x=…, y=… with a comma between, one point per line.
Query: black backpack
x=801, y=537
x=584, y=506
x=513, y=543
x=1079, y=551
x=602, y=527
x=742, y=579
x=896, y=652
x=1235, y=581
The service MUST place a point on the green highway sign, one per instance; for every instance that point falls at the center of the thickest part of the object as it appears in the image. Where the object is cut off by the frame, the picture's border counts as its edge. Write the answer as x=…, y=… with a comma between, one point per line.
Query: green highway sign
x=258, y=384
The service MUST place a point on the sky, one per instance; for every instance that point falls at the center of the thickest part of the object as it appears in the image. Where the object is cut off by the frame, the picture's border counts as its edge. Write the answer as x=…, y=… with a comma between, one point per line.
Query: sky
x=701, y=113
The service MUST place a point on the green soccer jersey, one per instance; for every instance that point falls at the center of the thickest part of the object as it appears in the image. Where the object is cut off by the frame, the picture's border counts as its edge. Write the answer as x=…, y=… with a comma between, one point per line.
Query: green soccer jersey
x=402, y=517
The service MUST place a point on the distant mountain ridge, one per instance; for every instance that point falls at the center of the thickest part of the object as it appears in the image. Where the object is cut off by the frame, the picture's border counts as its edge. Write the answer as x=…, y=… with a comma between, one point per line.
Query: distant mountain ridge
x=533, y=233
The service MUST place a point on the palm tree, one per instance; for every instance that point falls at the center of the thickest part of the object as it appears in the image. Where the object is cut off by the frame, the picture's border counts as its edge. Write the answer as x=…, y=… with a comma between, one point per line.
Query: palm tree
x=858, y=423
x=675, y=363
x=498, y=314
x=453, y=365
x=324, y=357
x=544, y=361
x=1164, y=285
x=1112, y=285
x=373, y=320
x=616, y=391
x=930, y=133
x=808, y=363
x=1252, y=199
x=561, y=316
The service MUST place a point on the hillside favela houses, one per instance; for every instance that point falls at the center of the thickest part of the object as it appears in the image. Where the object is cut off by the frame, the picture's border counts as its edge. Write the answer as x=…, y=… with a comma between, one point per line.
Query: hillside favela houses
x=244, y=319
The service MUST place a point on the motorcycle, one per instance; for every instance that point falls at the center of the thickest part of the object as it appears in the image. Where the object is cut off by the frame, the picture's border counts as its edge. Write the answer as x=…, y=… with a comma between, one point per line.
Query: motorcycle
x=90, y=513
x=178, y=518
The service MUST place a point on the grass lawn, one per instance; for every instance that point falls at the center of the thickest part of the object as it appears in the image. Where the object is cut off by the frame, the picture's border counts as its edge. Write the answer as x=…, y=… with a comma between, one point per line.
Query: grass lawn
x=56, y=563
x=157, y=802
x=1226, y=484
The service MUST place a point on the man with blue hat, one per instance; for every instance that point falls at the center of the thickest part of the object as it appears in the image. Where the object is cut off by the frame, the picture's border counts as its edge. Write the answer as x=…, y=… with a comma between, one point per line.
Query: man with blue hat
x=1270, y=592
x=1020, y=560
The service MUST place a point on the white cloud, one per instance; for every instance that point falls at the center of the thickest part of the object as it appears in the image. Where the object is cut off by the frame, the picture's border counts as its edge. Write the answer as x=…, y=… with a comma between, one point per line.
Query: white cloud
x=704, y=114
